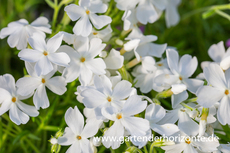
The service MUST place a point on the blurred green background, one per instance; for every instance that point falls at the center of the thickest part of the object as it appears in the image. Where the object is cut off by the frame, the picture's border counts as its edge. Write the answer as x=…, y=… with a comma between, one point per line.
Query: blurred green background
x=193, y=35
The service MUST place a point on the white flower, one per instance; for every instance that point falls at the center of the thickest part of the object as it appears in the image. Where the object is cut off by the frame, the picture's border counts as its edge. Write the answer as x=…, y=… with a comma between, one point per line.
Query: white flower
x=104, y=95
x=146, y=73
x=179, y=79
x=86, y=12
x=149, y=10
x=154, y=113
x=76, y=134
x=172, y=16
x=124, y=119
x=104, y=34
x=126, y=5
x=185, y=123
x=189, y=144
x=27, y=85
x=76, y=41
x=218, y=91
x=19, y=31
x=143, y=46
x=217, y=53
x=83, y=62
x=114, y=60
x=11, y=100
x=130, y=19
x=44, y=54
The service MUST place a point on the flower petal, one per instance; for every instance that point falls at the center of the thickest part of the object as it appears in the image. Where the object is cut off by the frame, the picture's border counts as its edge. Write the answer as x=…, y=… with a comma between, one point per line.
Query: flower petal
x=61, y=59
x=208, y=96
x=83, y=27
x=29, y=110
x=177, y=99
x=122, y=90
x=99, y=21
x=37, y=42
x=193, y=84
x=40, y=98
x=215, y=76
x=97, y=66
x=54, y=43
x=115, y=131
x=154, y=113
x=27, y=85
x=173, y=59
x=30, y=55
x=67, y=138
x=136, y=126
x=57, y=85
x=74, y=120
x=187, y=65
x=17, y=116
x=187, y=125
x=43, y=66
x=93, y=98
x=224, y=111
x=74, y=11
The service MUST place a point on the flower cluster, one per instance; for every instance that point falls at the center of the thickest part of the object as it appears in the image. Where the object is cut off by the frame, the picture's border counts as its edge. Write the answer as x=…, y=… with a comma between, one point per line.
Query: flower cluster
x=114, y=85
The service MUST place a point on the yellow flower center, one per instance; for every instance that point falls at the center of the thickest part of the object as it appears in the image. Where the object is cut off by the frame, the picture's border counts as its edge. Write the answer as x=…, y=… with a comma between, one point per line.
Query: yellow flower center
x=78, y=137
x=95, y=33
x=43, y=80
x=87, y=12
x=160, y=64
x=109, y=99
x=119, y=116
x=82, y=59
x=45, y=53
x=226, y=92
x=187, y=140
x=180, y=78
x=14, y=99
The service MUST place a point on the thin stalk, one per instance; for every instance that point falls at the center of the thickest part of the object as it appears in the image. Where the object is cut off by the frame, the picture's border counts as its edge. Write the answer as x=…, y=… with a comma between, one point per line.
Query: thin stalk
x=132, y=63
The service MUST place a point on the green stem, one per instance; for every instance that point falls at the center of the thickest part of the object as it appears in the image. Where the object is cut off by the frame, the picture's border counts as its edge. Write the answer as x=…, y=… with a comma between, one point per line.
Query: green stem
x=151, y=148
x=32, y=145
x=191, y=100
x=146, y=151
x=223, y=14
x=187, y=106
x=164, y=94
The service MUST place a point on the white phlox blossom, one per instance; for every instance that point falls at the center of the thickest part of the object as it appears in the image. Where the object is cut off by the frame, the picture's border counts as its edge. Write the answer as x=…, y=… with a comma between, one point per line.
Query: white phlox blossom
x=204, y=123
x=143, y=46
x=124, y=119
x=114, y=60
x=218, y=55
x=179, y=79
x=172, y=16
x=44, y=54
x=104, y=95
x=154, y=113
x=19, y=31
x=10, y=100
x=190, y=144
x=217, y=92
x=126, y=5
x=146, y=73
x=185, y=123
x=83, y=62
x=29, y=84
x=86, y=12
x=104, y=34
x=76, y=134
